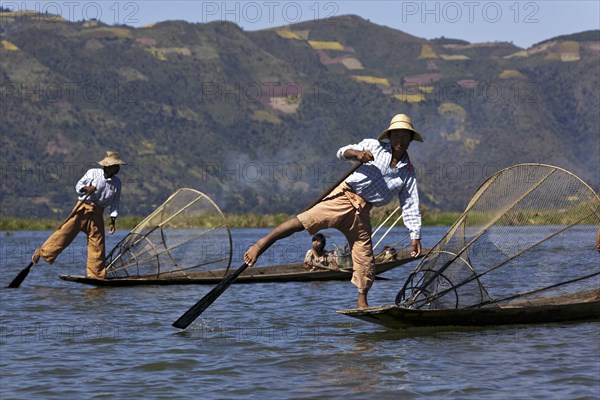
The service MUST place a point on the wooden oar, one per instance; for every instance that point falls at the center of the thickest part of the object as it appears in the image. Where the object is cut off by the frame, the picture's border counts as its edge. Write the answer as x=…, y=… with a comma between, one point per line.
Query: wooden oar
x=190, y=315
x=16, y=282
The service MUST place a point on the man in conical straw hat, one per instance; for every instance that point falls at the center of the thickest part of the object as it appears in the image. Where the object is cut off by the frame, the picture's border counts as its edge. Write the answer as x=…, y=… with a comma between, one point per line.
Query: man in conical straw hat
x=386, y=173
x=98, y=189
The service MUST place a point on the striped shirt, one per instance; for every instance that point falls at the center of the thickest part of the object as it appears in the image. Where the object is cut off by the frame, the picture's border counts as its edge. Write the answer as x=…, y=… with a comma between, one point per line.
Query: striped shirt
x=108, y=191
x=378, y=184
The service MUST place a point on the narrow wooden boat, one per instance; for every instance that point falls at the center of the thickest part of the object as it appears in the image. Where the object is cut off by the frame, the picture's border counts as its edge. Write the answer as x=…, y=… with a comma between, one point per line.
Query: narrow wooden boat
x=579, y=307
x=277, y=273
x=186, y=240
x=524, y=251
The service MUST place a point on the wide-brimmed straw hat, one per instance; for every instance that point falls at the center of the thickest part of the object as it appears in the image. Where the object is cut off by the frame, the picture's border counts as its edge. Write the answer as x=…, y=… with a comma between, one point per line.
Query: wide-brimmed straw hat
x=111, y=158
x=402, y=121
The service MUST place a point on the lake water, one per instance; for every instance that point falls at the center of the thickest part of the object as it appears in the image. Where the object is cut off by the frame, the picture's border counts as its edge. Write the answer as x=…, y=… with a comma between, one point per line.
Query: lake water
x=62, y=340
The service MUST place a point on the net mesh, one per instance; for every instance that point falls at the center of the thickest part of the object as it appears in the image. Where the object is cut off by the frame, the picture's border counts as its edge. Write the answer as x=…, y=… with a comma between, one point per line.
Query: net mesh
x=188, y=232
x=505, y=246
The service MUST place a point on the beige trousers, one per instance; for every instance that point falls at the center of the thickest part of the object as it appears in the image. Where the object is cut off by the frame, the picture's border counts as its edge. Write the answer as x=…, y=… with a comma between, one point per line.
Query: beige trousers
x=88, y=219
x=350, y=214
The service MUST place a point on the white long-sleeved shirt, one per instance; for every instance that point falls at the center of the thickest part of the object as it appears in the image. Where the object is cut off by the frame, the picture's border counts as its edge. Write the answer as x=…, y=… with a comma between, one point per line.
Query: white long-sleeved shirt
x=378, y=184
x=108, y=191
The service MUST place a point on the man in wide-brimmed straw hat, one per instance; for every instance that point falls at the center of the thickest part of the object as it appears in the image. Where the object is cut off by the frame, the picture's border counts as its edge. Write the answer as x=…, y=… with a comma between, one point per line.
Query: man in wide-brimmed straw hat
x=386, y=173
x=98, y=188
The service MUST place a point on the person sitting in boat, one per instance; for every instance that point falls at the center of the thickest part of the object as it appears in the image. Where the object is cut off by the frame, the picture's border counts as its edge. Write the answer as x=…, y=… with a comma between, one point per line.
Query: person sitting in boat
x=317, y=257
x=386, y=173
x=389, y=253
x=98, y=188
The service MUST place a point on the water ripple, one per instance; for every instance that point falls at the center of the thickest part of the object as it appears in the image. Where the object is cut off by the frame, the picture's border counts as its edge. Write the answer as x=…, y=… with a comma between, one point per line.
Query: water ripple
x=62, y=340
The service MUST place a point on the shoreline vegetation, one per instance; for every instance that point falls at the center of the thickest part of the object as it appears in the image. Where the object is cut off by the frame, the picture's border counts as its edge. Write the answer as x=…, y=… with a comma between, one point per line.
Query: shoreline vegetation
x=8, y=224
x=256, y=220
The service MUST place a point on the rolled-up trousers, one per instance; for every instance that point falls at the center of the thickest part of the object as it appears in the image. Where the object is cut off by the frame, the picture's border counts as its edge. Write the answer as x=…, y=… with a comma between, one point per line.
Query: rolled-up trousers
x=350, y=214
x=88, y=219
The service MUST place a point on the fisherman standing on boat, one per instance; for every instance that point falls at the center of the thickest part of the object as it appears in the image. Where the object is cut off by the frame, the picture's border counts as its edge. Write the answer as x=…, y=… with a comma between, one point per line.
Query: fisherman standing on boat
x=386, y=172
x=98, y=188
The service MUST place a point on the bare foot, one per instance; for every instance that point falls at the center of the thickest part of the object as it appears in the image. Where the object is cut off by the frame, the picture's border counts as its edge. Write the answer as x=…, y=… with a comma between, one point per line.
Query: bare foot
x=36, y=255
x=362, y=300
x=252, y=254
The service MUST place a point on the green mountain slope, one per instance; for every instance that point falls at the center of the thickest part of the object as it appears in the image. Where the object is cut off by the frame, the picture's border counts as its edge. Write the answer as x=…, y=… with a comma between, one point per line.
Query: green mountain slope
x=254, y=119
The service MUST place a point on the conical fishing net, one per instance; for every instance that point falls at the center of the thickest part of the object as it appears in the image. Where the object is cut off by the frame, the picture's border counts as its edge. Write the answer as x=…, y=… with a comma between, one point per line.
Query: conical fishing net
x=527, y=235
x=188, y=232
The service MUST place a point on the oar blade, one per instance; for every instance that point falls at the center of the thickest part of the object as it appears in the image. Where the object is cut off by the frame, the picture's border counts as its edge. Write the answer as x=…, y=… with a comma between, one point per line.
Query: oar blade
x=194, y=312
x=21, y=277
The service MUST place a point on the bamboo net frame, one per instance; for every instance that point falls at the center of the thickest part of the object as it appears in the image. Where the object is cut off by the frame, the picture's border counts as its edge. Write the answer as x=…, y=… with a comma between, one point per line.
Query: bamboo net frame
x=187, y=232
x=506, y=244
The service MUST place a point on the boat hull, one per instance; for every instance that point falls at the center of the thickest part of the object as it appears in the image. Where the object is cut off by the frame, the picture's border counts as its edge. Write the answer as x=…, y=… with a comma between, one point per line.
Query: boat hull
x=278, y=273
x=397, y=317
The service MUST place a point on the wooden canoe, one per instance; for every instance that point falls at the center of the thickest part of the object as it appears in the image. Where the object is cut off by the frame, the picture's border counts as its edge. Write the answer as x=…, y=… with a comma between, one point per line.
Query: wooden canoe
x=277, y=273
x=577, y=307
